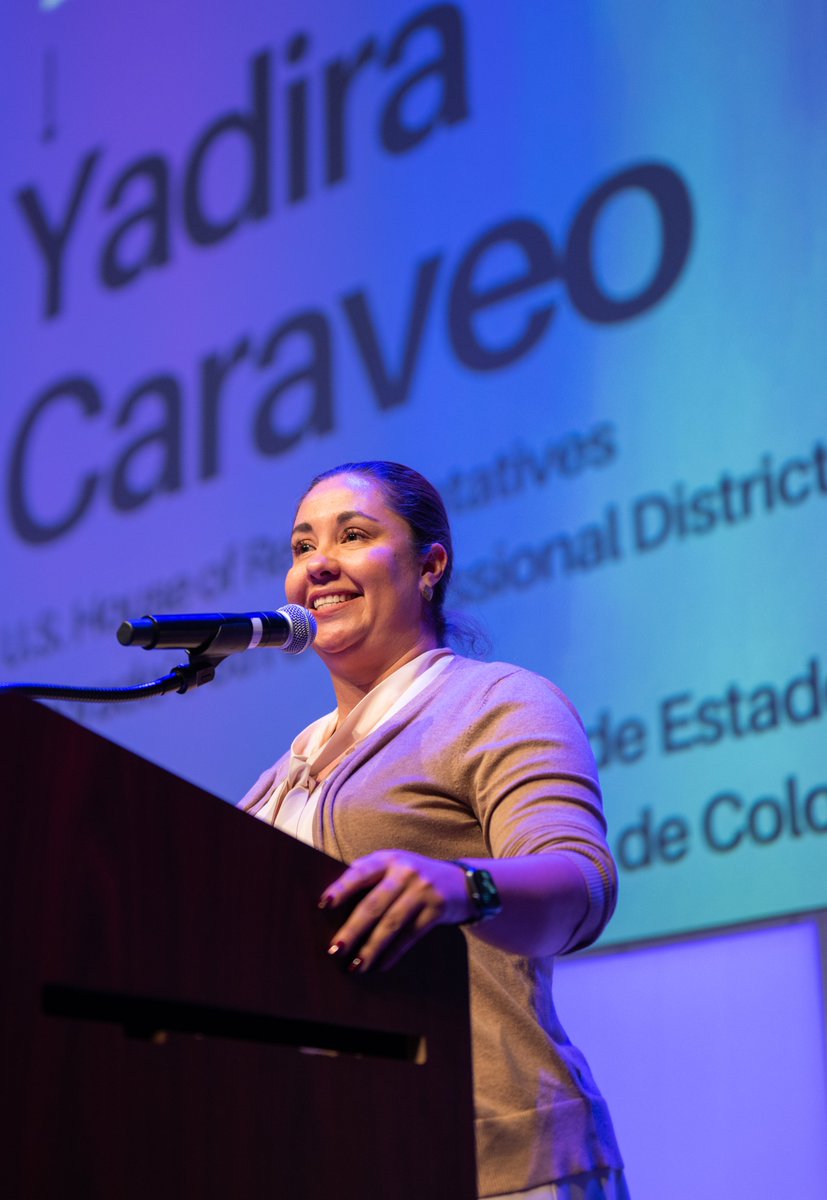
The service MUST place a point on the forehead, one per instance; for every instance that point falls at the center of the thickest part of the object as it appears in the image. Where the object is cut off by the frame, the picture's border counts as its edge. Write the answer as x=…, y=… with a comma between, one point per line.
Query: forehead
x=346, y=493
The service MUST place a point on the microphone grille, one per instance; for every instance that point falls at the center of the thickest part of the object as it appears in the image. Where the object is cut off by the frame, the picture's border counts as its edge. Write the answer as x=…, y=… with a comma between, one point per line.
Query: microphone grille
x=302, y=625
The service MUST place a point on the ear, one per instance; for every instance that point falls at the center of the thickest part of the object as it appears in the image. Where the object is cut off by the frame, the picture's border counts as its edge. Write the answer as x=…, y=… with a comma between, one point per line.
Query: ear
x=434, y=564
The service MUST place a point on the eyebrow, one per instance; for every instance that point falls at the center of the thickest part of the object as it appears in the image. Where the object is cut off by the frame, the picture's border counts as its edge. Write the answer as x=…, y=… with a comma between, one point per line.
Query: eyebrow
x=341, y=519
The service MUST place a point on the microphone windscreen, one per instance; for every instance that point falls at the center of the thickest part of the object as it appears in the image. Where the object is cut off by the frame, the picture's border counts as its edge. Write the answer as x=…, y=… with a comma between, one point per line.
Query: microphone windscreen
x=303, y=625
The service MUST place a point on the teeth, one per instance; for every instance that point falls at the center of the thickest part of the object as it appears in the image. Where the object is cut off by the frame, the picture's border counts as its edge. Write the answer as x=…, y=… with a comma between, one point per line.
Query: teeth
x=326, y=601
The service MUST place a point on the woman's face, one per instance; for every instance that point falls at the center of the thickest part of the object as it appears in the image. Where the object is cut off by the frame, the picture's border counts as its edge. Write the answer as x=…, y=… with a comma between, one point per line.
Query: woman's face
x=356, y=569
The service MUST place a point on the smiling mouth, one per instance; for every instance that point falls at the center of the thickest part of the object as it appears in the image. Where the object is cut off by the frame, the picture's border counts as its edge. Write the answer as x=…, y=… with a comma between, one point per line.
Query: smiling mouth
x=335, y=598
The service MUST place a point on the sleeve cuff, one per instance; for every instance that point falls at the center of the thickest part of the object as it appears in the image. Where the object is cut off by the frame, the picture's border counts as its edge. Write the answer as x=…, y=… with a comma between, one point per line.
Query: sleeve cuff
x=602, y=896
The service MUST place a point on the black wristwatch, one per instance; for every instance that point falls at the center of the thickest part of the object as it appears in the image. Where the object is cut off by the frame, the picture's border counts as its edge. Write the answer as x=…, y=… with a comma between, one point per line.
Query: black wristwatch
x=483, y=892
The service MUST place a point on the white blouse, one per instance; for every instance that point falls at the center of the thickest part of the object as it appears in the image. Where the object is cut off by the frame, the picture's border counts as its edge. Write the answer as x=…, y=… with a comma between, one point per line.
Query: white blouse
x=291, y=806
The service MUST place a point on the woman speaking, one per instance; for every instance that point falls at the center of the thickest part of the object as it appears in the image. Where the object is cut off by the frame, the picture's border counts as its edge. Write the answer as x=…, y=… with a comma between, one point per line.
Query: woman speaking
x=480, y=778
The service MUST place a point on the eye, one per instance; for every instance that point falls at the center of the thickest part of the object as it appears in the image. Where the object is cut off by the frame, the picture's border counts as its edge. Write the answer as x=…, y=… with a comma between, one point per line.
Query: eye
x=353, y=535
x=302, y=546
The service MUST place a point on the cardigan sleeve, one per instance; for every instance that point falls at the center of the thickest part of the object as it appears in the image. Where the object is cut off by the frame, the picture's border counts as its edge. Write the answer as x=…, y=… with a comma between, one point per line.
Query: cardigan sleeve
x=535, y=787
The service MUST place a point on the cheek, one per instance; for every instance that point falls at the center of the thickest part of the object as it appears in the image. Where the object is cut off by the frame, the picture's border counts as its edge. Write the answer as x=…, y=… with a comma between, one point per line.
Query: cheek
x=390, y=574
x=292, y=584
x=401, y=583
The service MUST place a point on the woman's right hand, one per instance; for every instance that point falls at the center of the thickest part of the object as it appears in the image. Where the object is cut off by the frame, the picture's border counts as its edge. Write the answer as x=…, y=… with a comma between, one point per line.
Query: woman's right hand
x=403, y=896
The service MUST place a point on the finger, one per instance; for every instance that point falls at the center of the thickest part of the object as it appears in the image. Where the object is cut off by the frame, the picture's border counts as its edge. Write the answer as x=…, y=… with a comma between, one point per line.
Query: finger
x=369, y=912
x=361, y=874
x=417, y=909
x=397, y=947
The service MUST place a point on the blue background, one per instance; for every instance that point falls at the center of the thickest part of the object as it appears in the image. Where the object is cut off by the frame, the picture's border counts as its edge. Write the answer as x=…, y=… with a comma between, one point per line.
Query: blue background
x=723, y=375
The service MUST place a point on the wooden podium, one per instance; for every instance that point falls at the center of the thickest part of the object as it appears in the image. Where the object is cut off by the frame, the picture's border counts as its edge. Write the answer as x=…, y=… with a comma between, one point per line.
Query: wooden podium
x=171, y=1025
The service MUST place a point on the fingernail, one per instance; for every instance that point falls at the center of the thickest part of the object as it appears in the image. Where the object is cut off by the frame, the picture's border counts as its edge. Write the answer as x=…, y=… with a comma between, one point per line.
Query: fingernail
x=356, y=964
x=325, y=902
x=335, y=948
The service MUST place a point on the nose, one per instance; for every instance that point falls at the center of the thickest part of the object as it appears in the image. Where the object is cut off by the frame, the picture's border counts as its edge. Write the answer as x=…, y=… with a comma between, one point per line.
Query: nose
x=321, y=565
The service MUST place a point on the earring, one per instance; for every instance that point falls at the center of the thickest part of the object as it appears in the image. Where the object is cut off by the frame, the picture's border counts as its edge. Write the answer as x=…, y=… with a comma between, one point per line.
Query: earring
x=427, y=592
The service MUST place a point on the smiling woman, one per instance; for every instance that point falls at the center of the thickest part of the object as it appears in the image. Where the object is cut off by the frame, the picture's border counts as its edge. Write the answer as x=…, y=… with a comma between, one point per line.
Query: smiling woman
x=480, y=777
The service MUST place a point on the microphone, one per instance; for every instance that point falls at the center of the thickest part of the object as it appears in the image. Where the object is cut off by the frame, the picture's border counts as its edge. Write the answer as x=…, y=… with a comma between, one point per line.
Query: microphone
x=292, y=628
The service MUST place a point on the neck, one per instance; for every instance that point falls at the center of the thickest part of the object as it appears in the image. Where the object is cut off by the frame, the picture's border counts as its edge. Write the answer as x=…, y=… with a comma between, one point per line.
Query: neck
x=353, y=681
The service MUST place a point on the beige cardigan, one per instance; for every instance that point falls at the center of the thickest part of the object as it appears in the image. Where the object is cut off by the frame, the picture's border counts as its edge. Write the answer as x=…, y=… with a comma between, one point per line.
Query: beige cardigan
x=492, y=761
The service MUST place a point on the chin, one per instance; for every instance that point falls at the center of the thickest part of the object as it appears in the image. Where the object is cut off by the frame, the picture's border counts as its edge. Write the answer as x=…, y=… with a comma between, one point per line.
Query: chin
x=333, y=641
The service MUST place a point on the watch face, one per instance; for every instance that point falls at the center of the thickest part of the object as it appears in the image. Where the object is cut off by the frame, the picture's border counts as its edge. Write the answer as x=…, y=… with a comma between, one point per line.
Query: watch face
x=484, y=893
x=490, y=902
